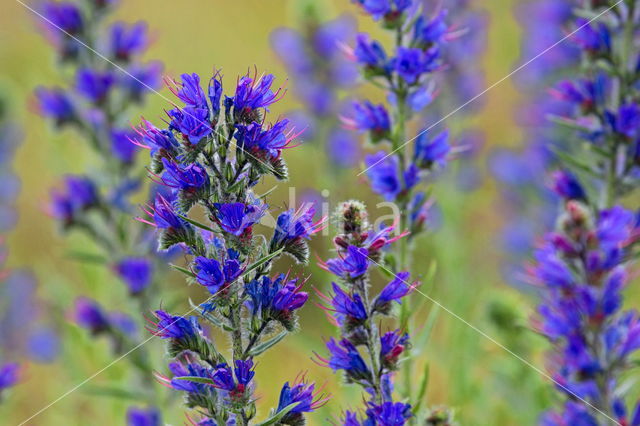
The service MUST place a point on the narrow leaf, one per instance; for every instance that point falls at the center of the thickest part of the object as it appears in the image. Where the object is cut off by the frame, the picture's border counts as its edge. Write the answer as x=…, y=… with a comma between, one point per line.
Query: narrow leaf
x=87, y=257
x=114, y=393
x=258, y=349
x=279, y=415
x=197, y=224
x=183, y=270
x=262, y=261
x=196, y=379
x=422, y=390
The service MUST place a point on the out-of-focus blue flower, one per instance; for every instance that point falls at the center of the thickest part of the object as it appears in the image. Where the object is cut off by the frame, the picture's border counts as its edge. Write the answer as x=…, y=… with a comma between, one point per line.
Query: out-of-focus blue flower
x=592, y=37
x=390, y=413
x=94, y=85
x=128, y=39
x=122, y=146
x=137, y=416
x=566, y=185
x=56, y=104
x=90, y=315
x=369, y=118
x=9, y=375
x=136, y=272
x=412, y=63
x=430, y=151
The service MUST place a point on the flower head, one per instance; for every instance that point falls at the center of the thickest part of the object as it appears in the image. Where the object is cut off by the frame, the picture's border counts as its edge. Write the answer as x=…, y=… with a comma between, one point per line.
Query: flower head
x=55, y=103
x=252, y=94
x=143, y=416
x=9, y=375
x=216, y=276
x=353, y=265
x=304, y=395
x=345, y=356
x=432, y=151
x=187, y=178
x=175, y=327
x=127, y=40
x=238, y=218
x=89, y=314
x=136, y=272
x=395, y=290
x=190, y=92
x=192, y=122
x=94, y=85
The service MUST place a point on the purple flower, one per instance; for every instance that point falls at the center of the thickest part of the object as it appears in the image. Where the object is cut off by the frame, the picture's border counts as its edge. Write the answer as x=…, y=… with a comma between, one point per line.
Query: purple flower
x=252, y=94
x=390, y=413
x=432, y=151
x=190, y=92
x=411, y=63
x=215, y=276
x=127, y=40
x=192, y=123
x=626, y=121
x=370, y=53
x=395, y=290
x=186, y=178
x=264, y=143
x=293, y=225
x=244, y=371
x=566, y=185
x=345, y=356
x=383, y=172
x=384, y=8
x=346, y=305
x=143, y=78
x=122, y=146
x=303, y=394
x=215, y=94
x=56, y=104
x=369, y=118
x=79, y=194
x=89, y=314
x=276, y=298
x=223, y=378
x=9, y=375
x=238, y=218
x=392, y=344
x=94, y=85
x=175, y=327
x=136, y=272
x=592, y=37
x=430, y=32
x=63, y=16
x=143, y=417
x=164, y=215
x=159, y=142
x=181, y=382
x=353, y=265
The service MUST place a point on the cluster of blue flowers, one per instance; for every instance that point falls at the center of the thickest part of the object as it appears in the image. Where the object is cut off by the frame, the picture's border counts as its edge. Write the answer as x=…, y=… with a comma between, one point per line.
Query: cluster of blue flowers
x=315, y=62
x=211, y=155
x=353, y=309
x=582, y=267
x=97, y=104
x=529, y=204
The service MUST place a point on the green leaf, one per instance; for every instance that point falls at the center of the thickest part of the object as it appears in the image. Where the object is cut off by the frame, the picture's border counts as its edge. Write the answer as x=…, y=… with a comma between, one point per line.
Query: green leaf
x=87, y=257
x=268, y=192
x=258, y=349
x=573, y=162
x=275, y=418
x=422, y=390
x=213, y=320
x=114, y=393
x=197, y=224
x=183, y=270
x=196, y=379
x=262, y=261
x=425, y=333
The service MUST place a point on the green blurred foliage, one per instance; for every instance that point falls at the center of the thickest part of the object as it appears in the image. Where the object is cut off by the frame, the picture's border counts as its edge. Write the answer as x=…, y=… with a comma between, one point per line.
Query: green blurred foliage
x=483, y=383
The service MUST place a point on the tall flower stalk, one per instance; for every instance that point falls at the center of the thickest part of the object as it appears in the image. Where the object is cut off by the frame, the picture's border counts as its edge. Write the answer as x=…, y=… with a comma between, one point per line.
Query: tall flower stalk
x=212, y=155
x=98, y=103
x=583, y=266
x=398, y=169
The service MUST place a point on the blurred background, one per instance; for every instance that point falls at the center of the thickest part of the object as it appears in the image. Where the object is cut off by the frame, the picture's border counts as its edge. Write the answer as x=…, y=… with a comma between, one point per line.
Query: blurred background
x=483, y=383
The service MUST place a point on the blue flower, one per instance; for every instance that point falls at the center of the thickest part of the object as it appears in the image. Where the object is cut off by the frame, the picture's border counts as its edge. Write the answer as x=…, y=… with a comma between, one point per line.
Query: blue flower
x=383, y=171
x=136, y=272
x=252, y=94
x=369, y=118
x=592, y=37
x=276, y=299
x=215, y=276
x=238, y=218
x=345, y=356
x=190, y=92
x=65, y=16
x=353, y=265
x=159, y=142
x=390, y=413
x=89, y=314
x=175, y=327
x=122, y=146
x=143, y=417
x=186, y=178
x=9, y=375
x=303, y=394
x=94, y=85
x=392, y=344
x=432, y=151
x=626, y=121
x=164, y=214
x=349, y=306
x=127, y=40
x=244, y=371
x=384, y=8
x=181, y=382
x=566, y=185
x=370, y=53
x=192, y=123
x=265, y=143
x=55, y=103
x=215, y=94
x=395, y=290
x=143, y=78
x=79, y=194
x=293, y=225
x=411, y=63
x=430, y=32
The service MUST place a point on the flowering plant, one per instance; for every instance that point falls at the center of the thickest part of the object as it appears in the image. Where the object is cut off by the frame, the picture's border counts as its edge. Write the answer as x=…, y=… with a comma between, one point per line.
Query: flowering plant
x=213, y=153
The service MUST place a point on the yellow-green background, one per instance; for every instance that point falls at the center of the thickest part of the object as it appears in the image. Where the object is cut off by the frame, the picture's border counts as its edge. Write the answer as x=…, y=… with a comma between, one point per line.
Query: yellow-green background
x=484, y=384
